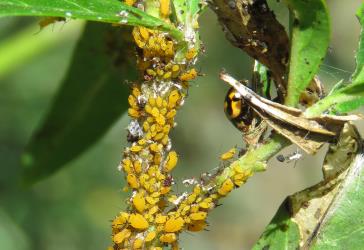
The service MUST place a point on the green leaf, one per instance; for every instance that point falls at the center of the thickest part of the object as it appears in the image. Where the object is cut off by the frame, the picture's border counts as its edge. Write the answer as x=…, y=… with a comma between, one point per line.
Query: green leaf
x=343, y=229
x=281, y=233
x=346, y=97
x=344, y=100
x=329, y=214
x=91, y=98
x=309, y=42
x=358, y=75
x=110, y=11
x=185, y=11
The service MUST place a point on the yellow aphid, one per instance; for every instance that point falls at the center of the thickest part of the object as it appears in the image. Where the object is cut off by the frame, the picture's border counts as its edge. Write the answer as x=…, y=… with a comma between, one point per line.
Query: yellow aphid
x=133, y=113
x=138, y=243
x=138, y=221
x=146, y=126
x=165, y=190
x=173, y=98
x=150, y=119
x=135, y=91
x=151, y=101
x=121, y=236
x=167, y=75
x=160, y=72
x=141, y=142
x=129, y=2
x=151, y=72
x=171, y=162
x=144, y=32
x=120, y=220
x=153, y=210
x=138, y=167
x=228, y=155
x=160, y=219
x=197, y=190
x=143, y=178
x=175, y=68
x=164, y=104
x=168, y=238
x=163, y=110
x=152, y=170
x=197, y=226
x=165, y=140
x=127, y=165
x=159, y=136
x=226, y=187
x=155, y=112
x=136, y=148
x=155, y=147
x=139, y=202
x=198, y=216
x=160, y=120
x=191, y=198
x=150, y=236
x=133, y=101
x=159, y=101
x=173, y=225
x=132, y=181
x=157, y=158
x=125, y=189
x=137, y=38
x=169, y=49
x=195, y=209
x=166, y=129
x=191, y=53
x=185, y=210
x=239, y=179
x=155, y=194
x=204, y=205
x=189, y=75
x=151, y=200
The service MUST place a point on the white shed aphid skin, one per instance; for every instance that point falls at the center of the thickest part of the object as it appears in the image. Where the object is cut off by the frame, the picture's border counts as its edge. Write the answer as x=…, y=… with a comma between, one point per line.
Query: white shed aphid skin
x=189, y=182
x=295, y=156
x=180, y=198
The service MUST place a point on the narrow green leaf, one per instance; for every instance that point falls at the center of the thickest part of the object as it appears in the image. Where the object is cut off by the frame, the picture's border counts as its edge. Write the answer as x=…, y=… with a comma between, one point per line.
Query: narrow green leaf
x=328, y=214
x=343, y=100
x=185, y=11
x=309, y=43
x=346, y=97
x=91, y=98
x=358, y=75
x=111, y=11
x=281, y=233
x=343, y=229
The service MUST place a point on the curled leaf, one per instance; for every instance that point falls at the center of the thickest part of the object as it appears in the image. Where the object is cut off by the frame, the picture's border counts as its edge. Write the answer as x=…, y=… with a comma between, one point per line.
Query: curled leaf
x=308, y=133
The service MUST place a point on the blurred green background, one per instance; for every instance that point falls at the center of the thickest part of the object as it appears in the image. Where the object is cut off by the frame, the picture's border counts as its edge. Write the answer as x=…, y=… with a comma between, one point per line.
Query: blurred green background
x=73, y=208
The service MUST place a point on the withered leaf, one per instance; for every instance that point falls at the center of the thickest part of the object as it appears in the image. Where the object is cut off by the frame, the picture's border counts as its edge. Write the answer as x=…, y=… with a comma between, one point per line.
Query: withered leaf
x=308, y=133
x=253, y=27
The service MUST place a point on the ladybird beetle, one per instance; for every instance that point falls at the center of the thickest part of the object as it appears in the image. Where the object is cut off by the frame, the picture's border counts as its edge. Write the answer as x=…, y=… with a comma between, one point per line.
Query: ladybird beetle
x=238, y=111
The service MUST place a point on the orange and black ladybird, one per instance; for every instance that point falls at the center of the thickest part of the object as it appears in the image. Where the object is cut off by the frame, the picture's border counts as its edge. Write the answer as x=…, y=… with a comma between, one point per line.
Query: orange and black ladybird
x=238, y=111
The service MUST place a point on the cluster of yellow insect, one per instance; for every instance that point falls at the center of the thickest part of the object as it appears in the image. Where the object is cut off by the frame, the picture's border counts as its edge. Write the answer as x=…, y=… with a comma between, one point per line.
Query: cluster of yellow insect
x=156, y=53
x=155, y=216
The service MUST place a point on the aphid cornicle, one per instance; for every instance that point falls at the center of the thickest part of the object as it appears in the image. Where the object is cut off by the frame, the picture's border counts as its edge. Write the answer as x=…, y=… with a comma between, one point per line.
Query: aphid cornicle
x=238, y=111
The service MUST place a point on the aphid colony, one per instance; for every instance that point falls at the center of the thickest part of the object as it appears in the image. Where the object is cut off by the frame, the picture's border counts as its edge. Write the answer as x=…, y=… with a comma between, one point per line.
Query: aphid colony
x=155, y=216
x=155, y=59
